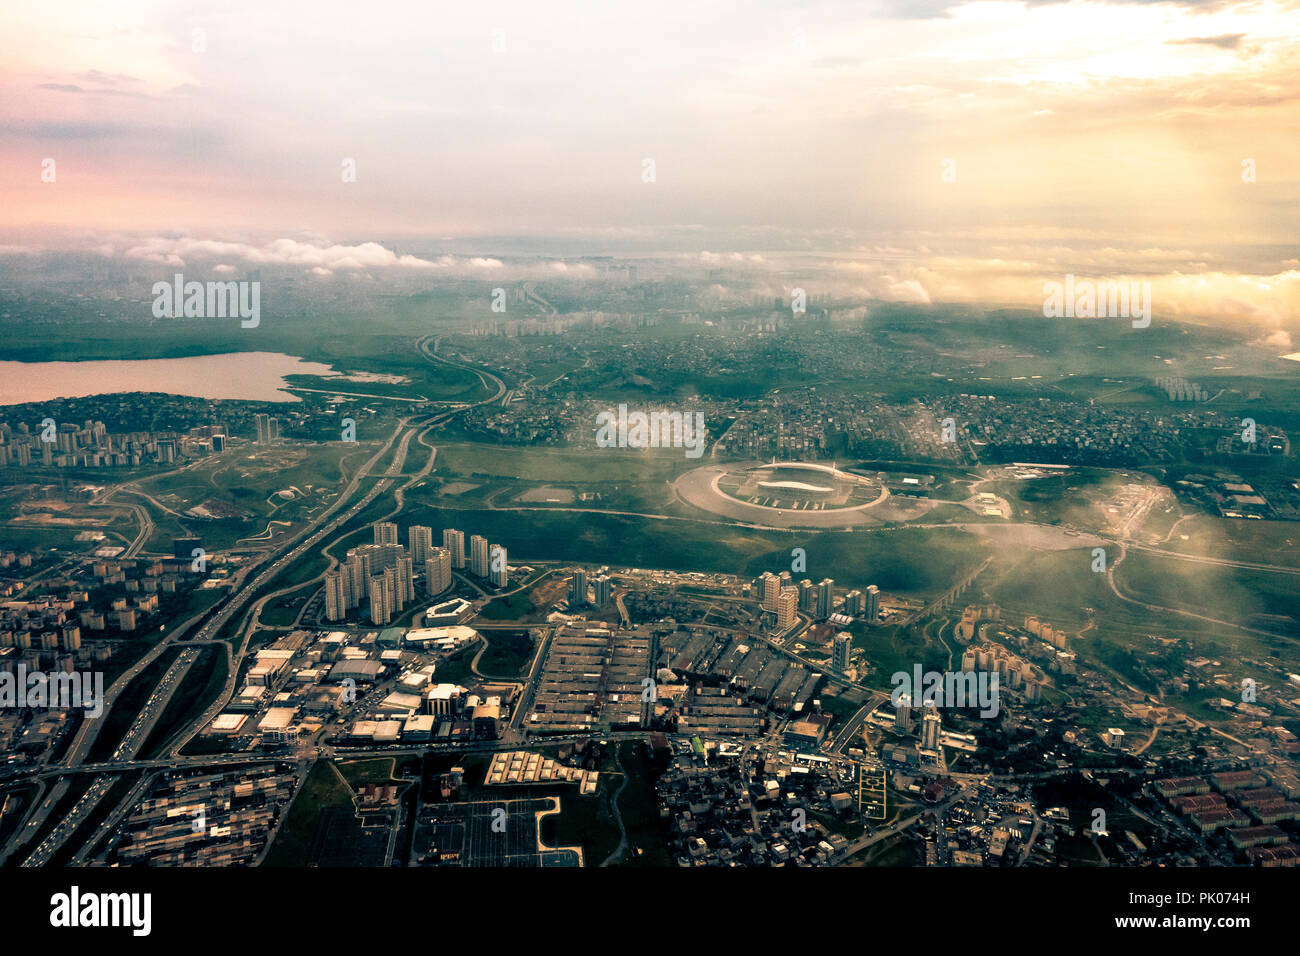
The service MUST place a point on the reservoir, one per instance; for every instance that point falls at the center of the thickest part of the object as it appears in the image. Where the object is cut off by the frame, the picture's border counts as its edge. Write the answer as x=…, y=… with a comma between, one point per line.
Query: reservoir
x=247, y=376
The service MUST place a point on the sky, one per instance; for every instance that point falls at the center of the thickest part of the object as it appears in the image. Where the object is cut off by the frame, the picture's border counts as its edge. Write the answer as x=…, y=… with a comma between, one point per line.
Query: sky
x=970, y=147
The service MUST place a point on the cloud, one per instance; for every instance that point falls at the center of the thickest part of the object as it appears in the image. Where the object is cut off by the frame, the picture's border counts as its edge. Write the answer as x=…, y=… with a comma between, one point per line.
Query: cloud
x=909, y=290
x=714, y=257
x=1225, y=41
x=108, y=79
x=932, y=9
x=320, y=258
x=100, y=91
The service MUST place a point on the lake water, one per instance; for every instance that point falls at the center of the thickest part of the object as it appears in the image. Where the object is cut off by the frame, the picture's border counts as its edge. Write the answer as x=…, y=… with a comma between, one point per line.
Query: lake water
x=250, y=376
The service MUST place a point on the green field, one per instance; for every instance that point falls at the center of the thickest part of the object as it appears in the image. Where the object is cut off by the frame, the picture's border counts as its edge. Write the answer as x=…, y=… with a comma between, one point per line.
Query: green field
x=543, y=464
x=322, y=788
x=377, y=770
x=508, y=654
x=901, y=559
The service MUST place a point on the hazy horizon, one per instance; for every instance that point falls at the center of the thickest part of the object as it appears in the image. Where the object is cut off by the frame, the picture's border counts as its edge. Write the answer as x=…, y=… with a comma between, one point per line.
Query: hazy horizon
x=938, y=152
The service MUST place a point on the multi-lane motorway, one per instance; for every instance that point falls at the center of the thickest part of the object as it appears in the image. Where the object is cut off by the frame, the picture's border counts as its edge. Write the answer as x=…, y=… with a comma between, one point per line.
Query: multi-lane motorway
x=248, y=582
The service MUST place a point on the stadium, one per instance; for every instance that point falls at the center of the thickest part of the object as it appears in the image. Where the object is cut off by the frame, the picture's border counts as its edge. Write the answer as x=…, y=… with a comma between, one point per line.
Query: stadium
x=784, y=494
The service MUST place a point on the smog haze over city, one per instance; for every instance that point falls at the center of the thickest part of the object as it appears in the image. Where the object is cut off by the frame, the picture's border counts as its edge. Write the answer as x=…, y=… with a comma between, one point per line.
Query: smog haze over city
x=704, y=435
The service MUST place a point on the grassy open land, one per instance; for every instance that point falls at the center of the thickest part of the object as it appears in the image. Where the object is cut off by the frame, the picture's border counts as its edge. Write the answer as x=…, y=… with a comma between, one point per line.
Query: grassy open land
x=1135, y=651
x=416, y=388
x=531, y=604
x=1082, y=798
x=42, y=516
x=261, y=470
x=547, y=373
x=513, y=607
x=957, y=514
x=1060, y=587
x=951, y=488
x=901, y=559
x=1265, y=599
x=1259, y=542
x=184, y=605
x=250, y=480
x=848, y=827
x=1134, y=642
x=1063, y=348
x=894, y=649
x=396, y=356
x=375, y=511
x=638, y=805
x=282, y=611
x=1053, y=585
x=376, y=770
x=584, y=820
x=1160, y=522
x=322, y=788
x=563, y=464
x=839, y=707
x=642, y=497
x=508, y=654
x=27, y=537
x=309, y=566
x=1072, y=498
x=455, y=669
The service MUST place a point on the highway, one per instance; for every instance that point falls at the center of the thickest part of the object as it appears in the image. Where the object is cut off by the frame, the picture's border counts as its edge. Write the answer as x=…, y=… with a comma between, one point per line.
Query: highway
x=131, y=743
x=291, y=549
x=851, y=727
x=394, y=470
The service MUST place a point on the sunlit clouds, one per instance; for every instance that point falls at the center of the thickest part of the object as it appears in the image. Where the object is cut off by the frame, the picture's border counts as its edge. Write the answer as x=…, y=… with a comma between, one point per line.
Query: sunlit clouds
x=1079, y=136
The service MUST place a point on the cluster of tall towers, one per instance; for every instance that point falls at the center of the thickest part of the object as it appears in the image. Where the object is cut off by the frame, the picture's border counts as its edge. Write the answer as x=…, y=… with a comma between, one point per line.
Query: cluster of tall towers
x=602, y=589
x=485, y=560
x=931, y=721
x=268, y=429
x=383, y=572
x=780, y=596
